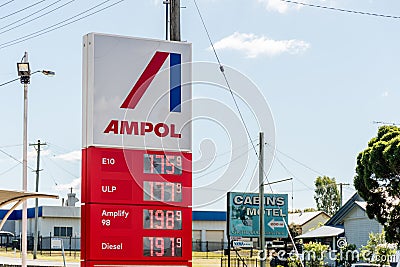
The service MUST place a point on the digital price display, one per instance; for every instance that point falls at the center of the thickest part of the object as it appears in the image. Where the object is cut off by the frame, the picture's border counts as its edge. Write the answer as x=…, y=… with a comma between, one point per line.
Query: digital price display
x=162, y=191
x=162, y=219
x=162, y=246
x=162, y=164
x=119, y=176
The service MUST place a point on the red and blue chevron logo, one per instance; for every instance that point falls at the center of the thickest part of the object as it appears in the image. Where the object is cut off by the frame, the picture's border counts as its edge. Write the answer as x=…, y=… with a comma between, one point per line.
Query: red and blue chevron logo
x=148, y=75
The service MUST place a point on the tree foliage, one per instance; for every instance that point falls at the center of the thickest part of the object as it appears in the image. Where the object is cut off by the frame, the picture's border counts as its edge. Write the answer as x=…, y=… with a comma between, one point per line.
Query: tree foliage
x=377, y=249
x=346, y=257
x=315, y=253
x=378, y=180
x=327, y=195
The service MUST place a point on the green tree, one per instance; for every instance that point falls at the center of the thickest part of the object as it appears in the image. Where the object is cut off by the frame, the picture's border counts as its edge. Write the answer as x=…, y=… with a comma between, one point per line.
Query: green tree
x=314, y=254
x=327, y=194
x=378, y=180
x=377, y=249
x=346, y=255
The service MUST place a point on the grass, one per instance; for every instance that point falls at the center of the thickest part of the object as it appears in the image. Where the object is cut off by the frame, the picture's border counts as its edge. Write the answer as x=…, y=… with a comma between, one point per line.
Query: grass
x=56, y=255
x=200, y=259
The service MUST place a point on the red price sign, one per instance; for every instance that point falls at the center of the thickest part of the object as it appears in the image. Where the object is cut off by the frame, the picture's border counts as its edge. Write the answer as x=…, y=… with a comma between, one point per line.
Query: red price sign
x=137, y=177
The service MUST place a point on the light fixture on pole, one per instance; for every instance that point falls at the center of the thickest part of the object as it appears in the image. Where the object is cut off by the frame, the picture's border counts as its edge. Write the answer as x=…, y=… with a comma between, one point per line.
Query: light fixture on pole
x=24, y=72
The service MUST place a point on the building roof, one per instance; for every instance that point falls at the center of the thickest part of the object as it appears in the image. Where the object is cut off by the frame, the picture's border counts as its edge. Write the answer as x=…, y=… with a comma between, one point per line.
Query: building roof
x=301, y=218
x=337, y=218
x=323, y=231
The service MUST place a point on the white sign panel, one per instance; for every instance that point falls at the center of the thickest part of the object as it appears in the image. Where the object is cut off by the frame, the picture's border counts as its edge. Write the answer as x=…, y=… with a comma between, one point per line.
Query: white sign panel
x=242, y=244
x=56, y=243
x=136, y=93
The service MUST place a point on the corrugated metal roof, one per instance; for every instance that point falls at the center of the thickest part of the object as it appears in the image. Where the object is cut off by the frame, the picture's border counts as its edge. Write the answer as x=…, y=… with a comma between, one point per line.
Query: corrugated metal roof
x=323, y=231
x=301, y=218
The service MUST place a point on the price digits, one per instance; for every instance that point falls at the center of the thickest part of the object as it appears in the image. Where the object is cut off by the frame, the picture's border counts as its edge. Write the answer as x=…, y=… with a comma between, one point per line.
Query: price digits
x=162, y=246
x=162, y=219
x=162, y=164
x=162, y=191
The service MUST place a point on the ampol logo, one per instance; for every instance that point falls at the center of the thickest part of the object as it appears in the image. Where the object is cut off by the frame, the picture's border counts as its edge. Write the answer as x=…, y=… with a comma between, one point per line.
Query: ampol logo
x=141, y=128
x=148, y=75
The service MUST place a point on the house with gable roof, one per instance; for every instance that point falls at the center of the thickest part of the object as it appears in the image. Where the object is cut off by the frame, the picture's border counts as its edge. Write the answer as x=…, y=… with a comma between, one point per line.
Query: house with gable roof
x=350, y=221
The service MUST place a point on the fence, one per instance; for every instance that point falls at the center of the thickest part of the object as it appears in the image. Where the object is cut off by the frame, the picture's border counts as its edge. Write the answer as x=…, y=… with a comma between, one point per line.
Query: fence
x=72, y=245
x=237, y=262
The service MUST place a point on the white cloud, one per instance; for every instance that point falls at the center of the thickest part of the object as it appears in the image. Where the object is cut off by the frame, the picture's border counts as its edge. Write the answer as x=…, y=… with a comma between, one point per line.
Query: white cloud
x=32, y=153
x=275, y=5
x=253, y=45
x=283, y=7
x=385, y=94
x=75, y=184
x=71, y=156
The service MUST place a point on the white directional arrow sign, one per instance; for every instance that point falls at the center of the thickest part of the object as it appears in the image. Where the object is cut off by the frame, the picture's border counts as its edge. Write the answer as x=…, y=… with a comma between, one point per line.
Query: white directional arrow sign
x=276, y=224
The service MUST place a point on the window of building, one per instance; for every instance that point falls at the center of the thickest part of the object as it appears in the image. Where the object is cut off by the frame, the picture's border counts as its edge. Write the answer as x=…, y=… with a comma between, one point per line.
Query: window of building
x=62, y=231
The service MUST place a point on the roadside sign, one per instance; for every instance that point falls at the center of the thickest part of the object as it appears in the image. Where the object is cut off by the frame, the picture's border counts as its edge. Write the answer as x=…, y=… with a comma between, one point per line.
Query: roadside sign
x=243, y=215
x=56, y=243
x=242, y=244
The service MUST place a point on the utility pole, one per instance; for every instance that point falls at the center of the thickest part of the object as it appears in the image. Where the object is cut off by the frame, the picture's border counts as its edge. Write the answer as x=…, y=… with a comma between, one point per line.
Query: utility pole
x=261, y=196
x=341, y=192
x=175, y=20
x=36, y=237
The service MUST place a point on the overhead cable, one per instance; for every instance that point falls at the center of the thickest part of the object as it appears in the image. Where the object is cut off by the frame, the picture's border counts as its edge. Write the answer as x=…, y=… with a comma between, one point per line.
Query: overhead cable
x=18, y=11
x=35, y=18
x=7, y=3
x=61, y=25
x=342, y=10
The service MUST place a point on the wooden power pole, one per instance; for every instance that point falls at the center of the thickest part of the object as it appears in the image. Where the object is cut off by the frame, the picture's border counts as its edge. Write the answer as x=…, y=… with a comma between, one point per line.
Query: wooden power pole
x=175, y=20
x=36, y=234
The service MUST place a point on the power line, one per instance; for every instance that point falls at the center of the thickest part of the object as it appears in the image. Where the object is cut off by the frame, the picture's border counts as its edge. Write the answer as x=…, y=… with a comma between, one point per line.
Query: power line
x=42, y=30
x=298, y=162
x=221, y=68
x=10, y=146
x=49, y=172
x=6, y=3
x=14, y=158
x=25, y=8
x=9, y=169
x=40, y=16
x=220, y=167
x=342, y=10
x=264, y=176
x=64, y=169
x=60, y=148
x=223, y=153
x=49, y=29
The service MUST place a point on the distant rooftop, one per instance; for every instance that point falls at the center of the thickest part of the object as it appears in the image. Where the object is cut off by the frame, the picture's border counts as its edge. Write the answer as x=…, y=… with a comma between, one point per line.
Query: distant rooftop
x=301, y=218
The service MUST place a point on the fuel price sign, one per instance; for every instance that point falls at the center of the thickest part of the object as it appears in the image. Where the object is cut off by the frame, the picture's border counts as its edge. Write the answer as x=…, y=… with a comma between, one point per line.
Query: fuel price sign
x=136, y=156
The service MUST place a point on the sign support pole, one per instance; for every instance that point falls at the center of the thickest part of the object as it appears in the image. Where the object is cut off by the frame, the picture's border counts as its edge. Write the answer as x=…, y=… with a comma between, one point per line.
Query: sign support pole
x=175, y=20
x=261, y=195
x=228, y=212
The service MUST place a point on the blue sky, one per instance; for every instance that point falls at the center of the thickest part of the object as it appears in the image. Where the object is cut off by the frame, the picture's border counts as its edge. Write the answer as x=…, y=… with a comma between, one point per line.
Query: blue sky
x=326, y=75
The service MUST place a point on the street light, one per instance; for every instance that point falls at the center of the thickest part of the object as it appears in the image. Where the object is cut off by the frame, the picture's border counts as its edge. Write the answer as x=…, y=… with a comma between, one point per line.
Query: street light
x=45, y=72
x=24, y=73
